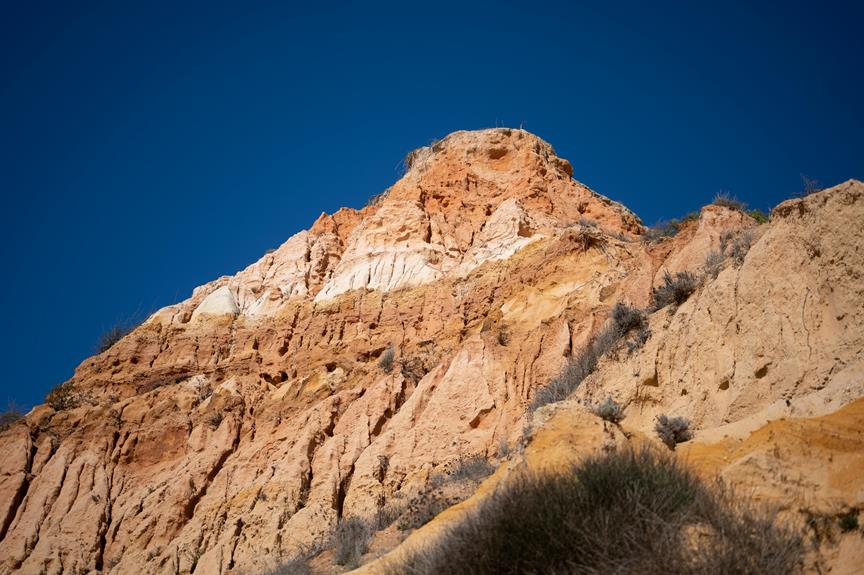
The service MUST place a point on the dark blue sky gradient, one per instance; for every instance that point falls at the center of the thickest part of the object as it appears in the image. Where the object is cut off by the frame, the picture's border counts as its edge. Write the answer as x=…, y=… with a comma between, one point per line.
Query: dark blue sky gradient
x=149, y=147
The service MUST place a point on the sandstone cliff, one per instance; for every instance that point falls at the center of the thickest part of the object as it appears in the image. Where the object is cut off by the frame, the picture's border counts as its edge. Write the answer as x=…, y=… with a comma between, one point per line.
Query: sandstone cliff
x=240, y=425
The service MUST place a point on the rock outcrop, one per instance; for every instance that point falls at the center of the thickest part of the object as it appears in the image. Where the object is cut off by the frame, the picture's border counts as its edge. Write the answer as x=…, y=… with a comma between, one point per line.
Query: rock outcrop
x=237, y=427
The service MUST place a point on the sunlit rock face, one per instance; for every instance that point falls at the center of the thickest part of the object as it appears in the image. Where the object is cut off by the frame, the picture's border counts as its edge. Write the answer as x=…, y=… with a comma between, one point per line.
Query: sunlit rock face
x=239, y=425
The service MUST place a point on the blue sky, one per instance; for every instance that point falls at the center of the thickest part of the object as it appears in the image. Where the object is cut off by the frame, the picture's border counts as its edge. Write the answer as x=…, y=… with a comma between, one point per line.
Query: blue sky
x=149, y=147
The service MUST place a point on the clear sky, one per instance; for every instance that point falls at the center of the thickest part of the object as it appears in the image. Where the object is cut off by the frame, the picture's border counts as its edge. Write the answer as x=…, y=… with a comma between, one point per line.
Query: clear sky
x=149, y=147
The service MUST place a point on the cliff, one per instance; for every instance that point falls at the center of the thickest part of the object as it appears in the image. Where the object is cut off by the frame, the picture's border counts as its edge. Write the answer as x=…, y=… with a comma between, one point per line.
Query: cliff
x=339, y=373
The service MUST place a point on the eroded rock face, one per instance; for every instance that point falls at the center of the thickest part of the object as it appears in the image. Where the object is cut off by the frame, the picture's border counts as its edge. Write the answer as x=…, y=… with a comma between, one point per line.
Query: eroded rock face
x=238, y=426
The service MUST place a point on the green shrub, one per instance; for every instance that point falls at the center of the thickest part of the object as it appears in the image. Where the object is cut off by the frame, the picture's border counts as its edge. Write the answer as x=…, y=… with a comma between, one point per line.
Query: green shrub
x=627, y=512
x=758, y=215
x=673, y=430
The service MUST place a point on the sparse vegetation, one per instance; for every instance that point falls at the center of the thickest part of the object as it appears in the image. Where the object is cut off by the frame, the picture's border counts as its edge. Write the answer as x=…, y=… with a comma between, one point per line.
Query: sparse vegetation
x=626, y=319
x=424, y=507
x=609, y=410
x=474, y=467
x=298, y=565
x=387, y=514
x=673, y=430
x=419, y=156
x=504, y=449
x=416, y=366
x=115, y=333
x=444, y=490
x=714, y=263
x=668, y=228
x=740, y=246
x=729, y=201
x=675, y=289
x=503, y=337
x=623, y=320
x=621, y=512
x=809, y=186
x=848, y=521
x=215, y=419
x=377, y=198
x=587, y=223
x=63, y=396
x=385, y=362
x=351, y=541
x=663, y=229
x=10, y=416
x=758, y=215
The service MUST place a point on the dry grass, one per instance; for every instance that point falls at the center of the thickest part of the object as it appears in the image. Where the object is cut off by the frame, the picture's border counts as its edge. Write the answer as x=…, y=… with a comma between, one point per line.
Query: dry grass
x=729, y=201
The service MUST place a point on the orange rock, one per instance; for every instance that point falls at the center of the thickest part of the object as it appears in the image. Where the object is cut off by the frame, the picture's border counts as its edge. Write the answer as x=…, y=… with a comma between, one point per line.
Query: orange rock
x=237, y=426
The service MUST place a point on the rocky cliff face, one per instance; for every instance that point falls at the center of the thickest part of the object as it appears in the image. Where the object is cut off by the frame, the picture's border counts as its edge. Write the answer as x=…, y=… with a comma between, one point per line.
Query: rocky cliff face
x=240, y=425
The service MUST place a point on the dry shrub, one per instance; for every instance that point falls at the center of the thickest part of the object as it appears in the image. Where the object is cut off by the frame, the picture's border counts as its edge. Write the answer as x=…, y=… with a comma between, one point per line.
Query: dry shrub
x=728, y=201
x=714, y=263
x=298, y=565
x=631, y=511
x=740, y=246
x=474, y=467
x=215, y=419
x=351, y=541
x=444, y=490
x=385, y=362
x=663, y=229
x=117, y=332
x=387, y=514
x=809, y=186
x=609, y=410
x=673, y=430
x=623, y=320
x=10, y=416
x=675, y=289
x=63, y=396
